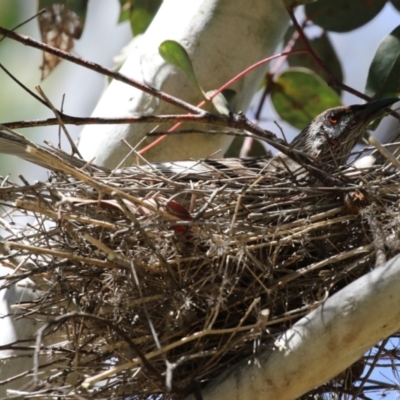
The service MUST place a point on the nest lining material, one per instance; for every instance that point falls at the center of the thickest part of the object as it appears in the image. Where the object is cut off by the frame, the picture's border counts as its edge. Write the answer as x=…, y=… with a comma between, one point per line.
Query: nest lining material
x=192, y=275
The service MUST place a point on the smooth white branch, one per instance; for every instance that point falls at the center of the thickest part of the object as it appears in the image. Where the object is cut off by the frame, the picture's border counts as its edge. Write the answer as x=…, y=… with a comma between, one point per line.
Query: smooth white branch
x=222, y=38
x=320, y=345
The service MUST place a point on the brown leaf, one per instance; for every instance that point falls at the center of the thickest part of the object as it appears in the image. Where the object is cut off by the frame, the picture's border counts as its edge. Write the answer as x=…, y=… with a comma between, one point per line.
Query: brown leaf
x=59, y=25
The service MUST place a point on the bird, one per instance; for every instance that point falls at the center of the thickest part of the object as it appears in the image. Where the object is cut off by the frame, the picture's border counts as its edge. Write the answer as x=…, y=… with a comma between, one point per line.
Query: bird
x=327, y=141
x=331, y=136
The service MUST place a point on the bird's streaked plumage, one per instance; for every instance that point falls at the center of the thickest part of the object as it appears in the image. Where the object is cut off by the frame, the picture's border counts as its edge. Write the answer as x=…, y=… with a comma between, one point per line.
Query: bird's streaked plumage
x=327, y=141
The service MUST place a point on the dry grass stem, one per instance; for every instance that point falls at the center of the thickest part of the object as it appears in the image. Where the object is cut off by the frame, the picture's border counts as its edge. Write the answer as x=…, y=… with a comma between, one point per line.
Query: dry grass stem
x=151, y=280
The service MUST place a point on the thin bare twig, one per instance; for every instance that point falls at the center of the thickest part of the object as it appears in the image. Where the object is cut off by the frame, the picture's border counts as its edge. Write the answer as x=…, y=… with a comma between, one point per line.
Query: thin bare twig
x=28, y=41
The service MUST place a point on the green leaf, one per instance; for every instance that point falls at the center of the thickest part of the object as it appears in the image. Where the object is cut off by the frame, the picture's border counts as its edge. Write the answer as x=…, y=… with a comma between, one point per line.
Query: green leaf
x=140, y=20
x=299, y=95
x=371, y=127
x=175, y=54
x=343, y=15
x=295, y=3
x=222, y=102
x=125, y=10
x=256, y=150
x=396, y=4
x=140, y=13
x=326, y=52
x=384, y=72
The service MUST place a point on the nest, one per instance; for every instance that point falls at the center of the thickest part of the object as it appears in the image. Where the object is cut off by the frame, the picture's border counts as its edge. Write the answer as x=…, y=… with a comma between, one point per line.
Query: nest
x=150, y=284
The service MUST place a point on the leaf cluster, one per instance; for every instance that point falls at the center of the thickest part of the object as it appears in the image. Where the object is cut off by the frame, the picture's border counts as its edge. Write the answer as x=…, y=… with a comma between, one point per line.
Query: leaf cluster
x=311, y=82
x=311, y=88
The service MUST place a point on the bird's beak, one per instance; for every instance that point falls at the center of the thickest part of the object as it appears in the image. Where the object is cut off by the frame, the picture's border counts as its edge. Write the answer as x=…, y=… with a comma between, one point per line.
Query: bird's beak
x=369, y=111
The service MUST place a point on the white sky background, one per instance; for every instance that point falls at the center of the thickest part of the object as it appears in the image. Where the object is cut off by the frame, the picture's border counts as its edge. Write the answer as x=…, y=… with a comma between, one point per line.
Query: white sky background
x=103, y=39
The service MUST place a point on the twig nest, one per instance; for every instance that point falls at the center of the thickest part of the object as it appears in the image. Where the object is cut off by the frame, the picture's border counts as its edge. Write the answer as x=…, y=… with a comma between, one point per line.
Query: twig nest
x=154, y=281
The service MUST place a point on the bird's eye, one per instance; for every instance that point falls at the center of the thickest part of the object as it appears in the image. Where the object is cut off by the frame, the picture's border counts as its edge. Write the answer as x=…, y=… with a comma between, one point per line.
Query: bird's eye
x=333, y=118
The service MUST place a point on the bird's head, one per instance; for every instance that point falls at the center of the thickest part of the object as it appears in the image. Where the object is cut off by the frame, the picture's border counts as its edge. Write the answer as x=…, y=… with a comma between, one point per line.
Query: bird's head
x=335, y=132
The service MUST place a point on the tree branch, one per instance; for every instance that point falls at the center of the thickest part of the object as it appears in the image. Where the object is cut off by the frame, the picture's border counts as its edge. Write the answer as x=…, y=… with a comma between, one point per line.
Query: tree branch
x=320, y=345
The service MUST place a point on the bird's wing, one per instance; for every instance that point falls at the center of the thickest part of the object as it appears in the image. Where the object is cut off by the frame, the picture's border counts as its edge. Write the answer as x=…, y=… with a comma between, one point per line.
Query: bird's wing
x=217, y=168
x=236, y=168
